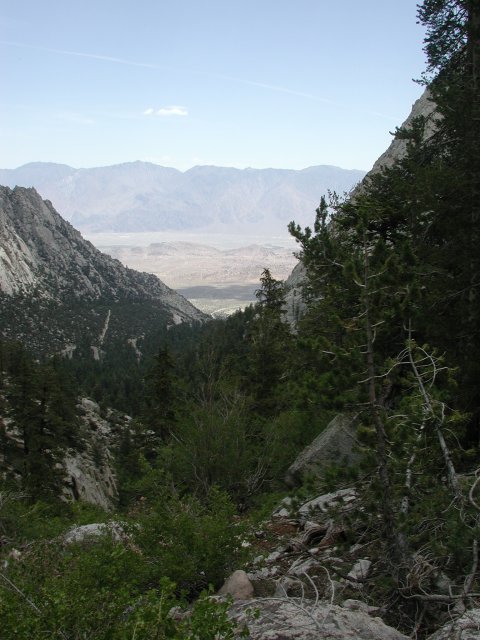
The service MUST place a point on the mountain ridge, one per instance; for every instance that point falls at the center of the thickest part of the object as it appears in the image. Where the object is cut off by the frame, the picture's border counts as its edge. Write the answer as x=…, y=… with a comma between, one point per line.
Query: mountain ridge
x=141, y=196
x=54, y=280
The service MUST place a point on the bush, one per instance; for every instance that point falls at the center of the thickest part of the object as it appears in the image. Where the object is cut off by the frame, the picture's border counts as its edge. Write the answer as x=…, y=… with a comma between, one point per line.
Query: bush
x=193, y=543
x=95, y=591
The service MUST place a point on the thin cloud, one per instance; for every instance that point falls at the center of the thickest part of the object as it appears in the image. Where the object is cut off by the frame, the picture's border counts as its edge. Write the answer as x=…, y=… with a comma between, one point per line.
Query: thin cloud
x=166, y=111
x=148, y=65
x=172, y=110
x=81, y=54
x=276, y=88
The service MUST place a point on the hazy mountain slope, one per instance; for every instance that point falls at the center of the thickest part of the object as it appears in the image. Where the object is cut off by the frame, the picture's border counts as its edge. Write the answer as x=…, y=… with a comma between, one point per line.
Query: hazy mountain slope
x=57, y=289
x=140, y=196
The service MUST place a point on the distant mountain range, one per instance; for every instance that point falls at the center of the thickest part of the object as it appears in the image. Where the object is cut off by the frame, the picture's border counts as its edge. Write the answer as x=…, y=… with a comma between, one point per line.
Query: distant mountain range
x=140, y=196
x=58, y=293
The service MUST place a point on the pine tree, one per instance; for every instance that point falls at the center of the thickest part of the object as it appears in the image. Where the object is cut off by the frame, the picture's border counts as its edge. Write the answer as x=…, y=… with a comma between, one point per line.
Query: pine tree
x=269, y=338
x=452, y=46
x=161, y=393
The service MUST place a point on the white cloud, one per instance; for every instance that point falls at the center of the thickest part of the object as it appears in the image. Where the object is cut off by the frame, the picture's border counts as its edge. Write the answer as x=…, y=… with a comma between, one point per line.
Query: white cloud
x=173, y=110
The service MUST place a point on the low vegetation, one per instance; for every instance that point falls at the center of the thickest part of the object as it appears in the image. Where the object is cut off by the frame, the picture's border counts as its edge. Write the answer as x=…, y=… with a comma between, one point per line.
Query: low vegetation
x=390, y=333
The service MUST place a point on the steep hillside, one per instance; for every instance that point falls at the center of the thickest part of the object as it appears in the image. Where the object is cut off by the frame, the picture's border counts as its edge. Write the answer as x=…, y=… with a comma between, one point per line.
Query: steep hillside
x=140, y=196
x=423, y=108
x=57, y=290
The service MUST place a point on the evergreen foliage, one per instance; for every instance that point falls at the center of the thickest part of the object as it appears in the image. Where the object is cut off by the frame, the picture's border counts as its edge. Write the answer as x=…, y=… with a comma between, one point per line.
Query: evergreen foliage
x=390, y=333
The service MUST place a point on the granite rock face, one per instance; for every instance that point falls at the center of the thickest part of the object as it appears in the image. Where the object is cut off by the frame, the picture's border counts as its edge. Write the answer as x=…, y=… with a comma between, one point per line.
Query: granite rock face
x=57, y=289
x=90, y=474
x=41, y=250
x=423, y=107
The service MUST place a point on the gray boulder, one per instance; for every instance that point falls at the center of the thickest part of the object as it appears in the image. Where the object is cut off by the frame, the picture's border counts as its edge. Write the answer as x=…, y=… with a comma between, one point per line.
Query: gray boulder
x=301, y=619
x=238, y=586
x=466, y=627
x=336, y=500
x=95, y=531
x=335, y=445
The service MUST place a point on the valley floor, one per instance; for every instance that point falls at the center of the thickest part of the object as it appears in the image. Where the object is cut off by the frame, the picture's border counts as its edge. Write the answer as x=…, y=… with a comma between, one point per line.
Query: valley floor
x=218, y=274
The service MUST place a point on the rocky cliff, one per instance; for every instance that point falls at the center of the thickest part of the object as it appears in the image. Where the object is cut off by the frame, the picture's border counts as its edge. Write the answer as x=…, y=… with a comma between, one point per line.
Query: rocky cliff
x=57, y=289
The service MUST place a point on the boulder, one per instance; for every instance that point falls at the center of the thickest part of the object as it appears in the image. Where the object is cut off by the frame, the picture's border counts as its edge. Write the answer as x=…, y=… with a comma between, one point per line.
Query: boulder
x=238, y=586
x=301, y=619
x=95, y=531
x=358, y=605
x=360, y=570
x=335, y=445
x=336, y=500
x=466, y=627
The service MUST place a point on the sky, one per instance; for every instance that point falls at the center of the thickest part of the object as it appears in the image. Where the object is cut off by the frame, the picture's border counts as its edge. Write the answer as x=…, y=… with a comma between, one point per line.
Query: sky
x=251, y=83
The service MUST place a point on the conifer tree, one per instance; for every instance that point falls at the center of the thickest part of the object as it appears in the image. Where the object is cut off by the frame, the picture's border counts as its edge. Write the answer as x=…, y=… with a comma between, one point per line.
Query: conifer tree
x=452, y=46
x=161, y=393
x=269, y=337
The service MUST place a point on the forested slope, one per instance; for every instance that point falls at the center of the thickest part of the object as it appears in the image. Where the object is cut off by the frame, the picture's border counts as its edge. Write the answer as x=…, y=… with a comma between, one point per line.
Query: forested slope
x=389, y=334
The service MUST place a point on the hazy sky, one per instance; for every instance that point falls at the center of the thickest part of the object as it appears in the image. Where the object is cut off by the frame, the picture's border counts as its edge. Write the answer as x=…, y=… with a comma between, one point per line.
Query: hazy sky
x=260, y=83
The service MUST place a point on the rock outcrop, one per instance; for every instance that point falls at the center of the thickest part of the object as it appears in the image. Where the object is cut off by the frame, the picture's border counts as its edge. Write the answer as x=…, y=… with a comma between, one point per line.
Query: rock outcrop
x=303, y=619
x=424, y=107
x=90, y=474
x=87, y=470
x=96, y=531
x=316, y=576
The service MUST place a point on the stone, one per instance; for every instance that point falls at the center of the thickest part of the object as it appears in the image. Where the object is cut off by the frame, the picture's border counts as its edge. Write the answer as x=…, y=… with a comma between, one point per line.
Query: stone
x=358, y=605
x=335, y=445
x=263, y=574
x=466, y=627
x=238, y=586
x=284, y=587
x=328, y=501
x=282, y=513
x=87, y=478
x=95, y=531
x=274, y=556
x=424, y=107
x=301, y=619
x=89, y=405
x=442, y=584
x=303, y=566
x=360, y=570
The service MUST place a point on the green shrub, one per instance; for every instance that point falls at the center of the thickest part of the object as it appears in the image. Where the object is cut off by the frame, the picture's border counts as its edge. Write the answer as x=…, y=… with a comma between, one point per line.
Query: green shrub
x=193, y=543
x=96, y=591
